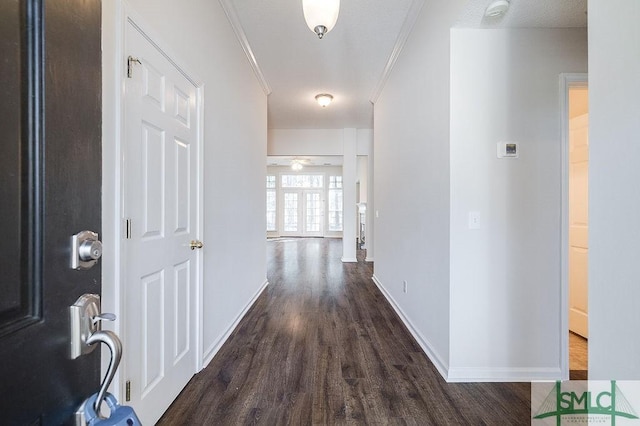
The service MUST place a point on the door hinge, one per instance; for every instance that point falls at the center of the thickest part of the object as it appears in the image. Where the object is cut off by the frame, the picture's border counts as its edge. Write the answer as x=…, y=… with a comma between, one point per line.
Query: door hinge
x=127, y=391
x=127, y=229
x=130, y=61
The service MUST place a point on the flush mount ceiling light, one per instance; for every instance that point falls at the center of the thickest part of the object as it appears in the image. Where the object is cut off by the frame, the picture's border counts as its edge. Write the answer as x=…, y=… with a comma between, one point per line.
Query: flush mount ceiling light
x=321, y=15
x=324, y=99
x=298, y=164
x=496, y=9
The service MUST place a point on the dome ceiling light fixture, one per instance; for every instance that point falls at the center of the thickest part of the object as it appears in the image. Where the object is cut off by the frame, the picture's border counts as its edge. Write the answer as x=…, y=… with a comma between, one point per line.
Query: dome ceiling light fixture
x=298, y=164
x=321, y=15
x=497, y=8
x=324, y=99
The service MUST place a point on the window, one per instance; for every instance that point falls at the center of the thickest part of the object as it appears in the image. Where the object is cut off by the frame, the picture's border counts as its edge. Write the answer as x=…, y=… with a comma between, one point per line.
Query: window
x=271, y=203
x=335, y=181
x=290, y=212
x=271, y=181
x=335, y=203
x=302, y=181
x=313, y=222
x=271, y=210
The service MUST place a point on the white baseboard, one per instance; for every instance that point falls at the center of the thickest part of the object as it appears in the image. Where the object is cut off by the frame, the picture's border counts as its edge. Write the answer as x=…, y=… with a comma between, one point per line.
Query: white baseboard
x=349, y=260
x=471, y=374
x=428, y=349
x=215, y=347
x=368, y=259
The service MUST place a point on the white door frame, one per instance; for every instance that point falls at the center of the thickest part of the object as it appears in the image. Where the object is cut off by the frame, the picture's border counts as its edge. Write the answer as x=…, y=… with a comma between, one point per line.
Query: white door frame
x=115, y=15
x=567, y=80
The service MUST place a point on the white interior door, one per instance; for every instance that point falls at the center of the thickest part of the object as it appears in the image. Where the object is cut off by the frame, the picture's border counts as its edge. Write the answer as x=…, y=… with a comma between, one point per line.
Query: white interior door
x=578, y=223
x=161, y=158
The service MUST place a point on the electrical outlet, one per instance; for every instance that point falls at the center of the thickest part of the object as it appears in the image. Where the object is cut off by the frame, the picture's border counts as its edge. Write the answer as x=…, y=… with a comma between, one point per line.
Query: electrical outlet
x=405, y=286
x=474, y=220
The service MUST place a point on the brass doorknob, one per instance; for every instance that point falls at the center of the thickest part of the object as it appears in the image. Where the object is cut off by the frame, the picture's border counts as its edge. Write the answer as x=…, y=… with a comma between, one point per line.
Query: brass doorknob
x=195, y=244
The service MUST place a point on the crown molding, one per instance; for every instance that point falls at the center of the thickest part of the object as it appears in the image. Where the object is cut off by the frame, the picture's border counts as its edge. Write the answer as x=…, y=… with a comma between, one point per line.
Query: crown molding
x=232, y=16
x=405, y=31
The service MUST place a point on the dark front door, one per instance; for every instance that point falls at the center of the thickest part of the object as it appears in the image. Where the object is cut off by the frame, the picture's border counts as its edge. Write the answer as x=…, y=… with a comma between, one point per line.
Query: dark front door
x=50, y=189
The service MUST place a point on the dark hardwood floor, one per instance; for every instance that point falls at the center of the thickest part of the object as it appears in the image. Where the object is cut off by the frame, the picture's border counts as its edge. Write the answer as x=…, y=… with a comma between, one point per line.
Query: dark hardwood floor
x=321, y=345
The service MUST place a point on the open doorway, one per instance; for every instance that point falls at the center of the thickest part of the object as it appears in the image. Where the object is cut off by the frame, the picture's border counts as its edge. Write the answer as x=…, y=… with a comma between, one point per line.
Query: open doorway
x=576, y=125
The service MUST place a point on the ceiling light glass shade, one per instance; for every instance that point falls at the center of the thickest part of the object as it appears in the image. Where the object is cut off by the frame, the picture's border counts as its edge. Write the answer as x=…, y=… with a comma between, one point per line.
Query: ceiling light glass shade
x=321, y=15
x=296, y=166
x=324, y=99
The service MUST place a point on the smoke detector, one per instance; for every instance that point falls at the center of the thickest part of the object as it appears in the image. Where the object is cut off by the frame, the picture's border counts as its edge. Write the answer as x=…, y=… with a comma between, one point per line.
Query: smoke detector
x=496, y=9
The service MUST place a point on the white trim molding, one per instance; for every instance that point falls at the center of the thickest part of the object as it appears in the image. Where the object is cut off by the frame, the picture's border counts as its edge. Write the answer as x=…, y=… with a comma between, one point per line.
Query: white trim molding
x=213, y=349
x=200, y=225
x=232, y=16
x=516, y=374
x=567, y=80
x=469, y=374
x=403, y=36
x=154, y=38
x=112, y=86
x=426, y=346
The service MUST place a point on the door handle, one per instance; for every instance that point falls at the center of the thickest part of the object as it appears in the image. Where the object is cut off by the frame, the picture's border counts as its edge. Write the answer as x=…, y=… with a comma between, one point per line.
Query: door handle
x=196, y=244
x=110, y=339
x=85, y=321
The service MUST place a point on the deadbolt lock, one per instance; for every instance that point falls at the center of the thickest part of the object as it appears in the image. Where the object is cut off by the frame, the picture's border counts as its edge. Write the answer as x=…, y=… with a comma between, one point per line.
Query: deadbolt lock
x=86, y=250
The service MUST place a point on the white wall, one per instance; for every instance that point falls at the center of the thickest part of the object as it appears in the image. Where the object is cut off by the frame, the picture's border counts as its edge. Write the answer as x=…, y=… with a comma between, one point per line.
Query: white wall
x=370, y=229
x=361, y=177
x=614, y=193
x=365, y=141
x=349, y=208
x=235, y=140
x=305, y=142
x=505, y=276
x=315, y=141
x=411, y=180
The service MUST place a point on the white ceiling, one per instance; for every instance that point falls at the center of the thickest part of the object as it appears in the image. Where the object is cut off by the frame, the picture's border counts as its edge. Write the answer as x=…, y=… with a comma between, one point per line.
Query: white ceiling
x=349, y=62
x=527, y=14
